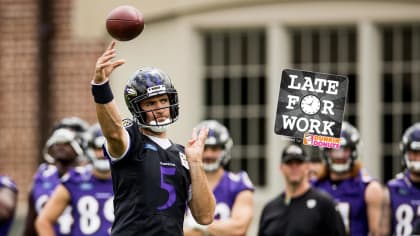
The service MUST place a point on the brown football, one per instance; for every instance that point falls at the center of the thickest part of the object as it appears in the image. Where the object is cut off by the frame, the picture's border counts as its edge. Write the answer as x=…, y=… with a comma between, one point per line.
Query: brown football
x=124, y=23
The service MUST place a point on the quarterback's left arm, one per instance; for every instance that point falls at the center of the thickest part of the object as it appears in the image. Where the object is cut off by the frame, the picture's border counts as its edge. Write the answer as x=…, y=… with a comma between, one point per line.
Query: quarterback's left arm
x=374, y=200
x=202, y=202
x=240, y=220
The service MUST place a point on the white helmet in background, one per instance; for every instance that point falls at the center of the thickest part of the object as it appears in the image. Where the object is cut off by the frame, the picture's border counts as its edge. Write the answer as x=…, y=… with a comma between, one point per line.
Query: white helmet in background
x=411, y=142
x=96, y=141
x=218, y=136
x=349, y=138
x=64, y=135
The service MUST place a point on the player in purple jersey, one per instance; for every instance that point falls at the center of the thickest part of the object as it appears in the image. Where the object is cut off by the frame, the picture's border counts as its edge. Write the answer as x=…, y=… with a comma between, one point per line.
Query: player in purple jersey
x=88, y=190
x=358, y=195
x=62, y=151
x=8, y=201
x=402, y=201
x=153, y=178
x=233, y=192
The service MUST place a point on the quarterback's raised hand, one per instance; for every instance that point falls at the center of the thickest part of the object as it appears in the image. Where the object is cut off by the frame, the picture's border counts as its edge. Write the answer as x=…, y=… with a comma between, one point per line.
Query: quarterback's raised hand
x=105, y=65
x=195, y=146
x=202, y=202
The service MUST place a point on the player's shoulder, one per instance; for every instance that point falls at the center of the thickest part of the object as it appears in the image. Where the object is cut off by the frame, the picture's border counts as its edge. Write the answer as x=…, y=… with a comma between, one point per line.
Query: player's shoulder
x=127, y=122
x=8, y=182
x=178, y=147
x=365, y=177
x=397, y=181
x=46, y=170
x=240, y=179
x=78, y=174
x=134, y=134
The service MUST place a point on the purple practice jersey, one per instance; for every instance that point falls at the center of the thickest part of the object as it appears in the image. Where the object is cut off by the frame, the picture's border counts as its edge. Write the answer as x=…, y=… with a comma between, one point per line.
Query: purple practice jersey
x=225, y=192
x=7, y=182
x=91, y=201
x=45, y=180
x=350, y=197
x=405, y=204
x=227, y=189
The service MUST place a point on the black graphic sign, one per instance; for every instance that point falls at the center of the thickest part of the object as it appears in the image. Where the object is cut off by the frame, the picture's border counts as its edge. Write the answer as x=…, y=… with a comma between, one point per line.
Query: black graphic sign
x=310, y=103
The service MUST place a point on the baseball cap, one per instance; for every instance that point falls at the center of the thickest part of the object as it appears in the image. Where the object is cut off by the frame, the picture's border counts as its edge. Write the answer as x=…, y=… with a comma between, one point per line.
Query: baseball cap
x=294, y=152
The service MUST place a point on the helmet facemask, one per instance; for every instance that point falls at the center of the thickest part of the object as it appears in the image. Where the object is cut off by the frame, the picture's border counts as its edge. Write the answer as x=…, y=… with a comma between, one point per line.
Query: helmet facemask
x=149, y=82
x=339, y=168
x=155, y=125
x=214, y=165
x=414, y=149
x=95, y=152
x=412, y=166
x=410, y=143
x=61, y=136
x=349, y=139
x=218, y=137
x=100, y=163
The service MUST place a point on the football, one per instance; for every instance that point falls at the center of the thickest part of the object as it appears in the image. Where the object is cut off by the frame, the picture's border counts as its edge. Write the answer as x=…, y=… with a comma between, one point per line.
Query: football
x=125, y=23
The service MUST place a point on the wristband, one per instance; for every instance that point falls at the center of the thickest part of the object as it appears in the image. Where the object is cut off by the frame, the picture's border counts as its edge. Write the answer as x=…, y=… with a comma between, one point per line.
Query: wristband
x=102, y=93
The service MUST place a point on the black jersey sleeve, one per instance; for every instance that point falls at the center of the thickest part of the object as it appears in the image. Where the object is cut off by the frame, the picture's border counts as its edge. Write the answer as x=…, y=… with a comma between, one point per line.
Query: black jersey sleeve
x=135, y=136
x=134, y=143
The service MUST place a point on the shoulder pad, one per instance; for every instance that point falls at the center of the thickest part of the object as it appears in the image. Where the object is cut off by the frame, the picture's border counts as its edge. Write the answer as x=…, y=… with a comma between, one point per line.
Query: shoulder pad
x=6, y=181
x=127, y=122
x=399, y=175
x=246, y=180
x=234, y=176
x=365, y=176
x=65, y=177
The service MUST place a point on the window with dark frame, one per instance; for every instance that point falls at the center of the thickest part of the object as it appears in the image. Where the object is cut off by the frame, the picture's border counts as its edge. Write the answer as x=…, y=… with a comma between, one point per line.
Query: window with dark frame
x=328, y=49
x=400, y=89
x=235, y=94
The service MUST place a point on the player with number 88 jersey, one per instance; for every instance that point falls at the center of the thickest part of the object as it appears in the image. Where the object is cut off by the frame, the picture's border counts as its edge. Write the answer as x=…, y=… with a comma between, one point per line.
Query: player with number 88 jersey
x=88, y=190
x=63, y=150
x=45, y=181
x=403, y=199
x=91, y=201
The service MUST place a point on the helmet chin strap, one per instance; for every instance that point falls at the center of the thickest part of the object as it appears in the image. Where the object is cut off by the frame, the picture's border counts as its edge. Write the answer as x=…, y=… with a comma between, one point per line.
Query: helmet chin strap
x=211, y=167
x=340, y=168
x=158, y=127
x=413, y=166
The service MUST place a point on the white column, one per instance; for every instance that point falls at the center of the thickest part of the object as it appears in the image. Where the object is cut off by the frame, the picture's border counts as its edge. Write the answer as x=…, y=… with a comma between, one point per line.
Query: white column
x=369, y=97
x=278, y=56
x=279, y=53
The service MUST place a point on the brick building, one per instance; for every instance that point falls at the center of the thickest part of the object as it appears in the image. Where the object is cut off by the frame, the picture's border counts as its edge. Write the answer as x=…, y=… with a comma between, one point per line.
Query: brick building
x=44, y=76
x=225, y=58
